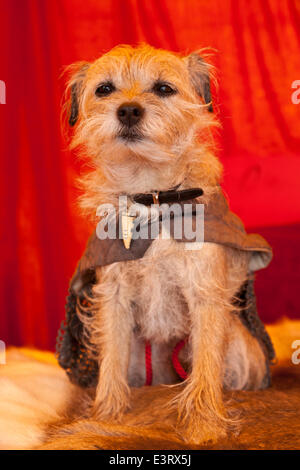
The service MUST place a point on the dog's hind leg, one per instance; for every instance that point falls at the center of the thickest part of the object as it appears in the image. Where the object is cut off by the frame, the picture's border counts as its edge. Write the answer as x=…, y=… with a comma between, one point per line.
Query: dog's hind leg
x=245, y=365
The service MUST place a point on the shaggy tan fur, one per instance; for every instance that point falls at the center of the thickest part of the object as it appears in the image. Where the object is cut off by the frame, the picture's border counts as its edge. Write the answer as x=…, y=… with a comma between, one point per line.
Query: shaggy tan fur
x=33, y=390
x=170, y=293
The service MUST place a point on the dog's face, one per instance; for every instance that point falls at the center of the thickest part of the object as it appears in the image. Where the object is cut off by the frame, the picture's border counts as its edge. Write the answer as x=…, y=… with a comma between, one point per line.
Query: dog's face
x=140, y=102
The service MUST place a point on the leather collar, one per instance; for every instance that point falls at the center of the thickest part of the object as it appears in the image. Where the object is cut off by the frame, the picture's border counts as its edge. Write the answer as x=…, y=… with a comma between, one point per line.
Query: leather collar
x=172, y=195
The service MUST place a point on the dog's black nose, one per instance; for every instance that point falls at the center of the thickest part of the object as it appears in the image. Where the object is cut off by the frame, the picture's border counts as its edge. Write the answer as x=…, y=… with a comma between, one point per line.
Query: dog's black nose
x=129, y=114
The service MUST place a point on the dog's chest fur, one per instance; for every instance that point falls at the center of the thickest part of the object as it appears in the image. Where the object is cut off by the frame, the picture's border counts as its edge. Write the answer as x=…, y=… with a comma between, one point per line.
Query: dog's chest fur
x=156, y=287
x=160, y=311
x=159, y=307
x=154, y=290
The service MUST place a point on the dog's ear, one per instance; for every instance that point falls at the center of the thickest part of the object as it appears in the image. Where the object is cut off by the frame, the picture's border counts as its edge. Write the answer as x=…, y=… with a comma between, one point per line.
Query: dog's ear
x=75, y=86
x=199, y=72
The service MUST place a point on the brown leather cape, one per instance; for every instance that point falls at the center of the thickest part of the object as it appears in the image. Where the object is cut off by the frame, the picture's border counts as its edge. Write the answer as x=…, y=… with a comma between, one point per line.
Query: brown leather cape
x=220, y=226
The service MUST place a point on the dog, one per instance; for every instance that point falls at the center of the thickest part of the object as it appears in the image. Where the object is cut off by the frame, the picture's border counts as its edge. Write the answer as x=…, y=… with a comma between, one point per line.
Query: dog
x=143, y=119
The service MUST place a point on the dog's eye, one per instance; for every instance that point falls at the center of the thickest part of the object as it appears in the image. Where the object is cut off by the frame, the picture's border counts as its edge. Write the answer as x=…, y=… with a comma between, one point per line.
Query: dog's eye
x=105, y=89
x=163, y=89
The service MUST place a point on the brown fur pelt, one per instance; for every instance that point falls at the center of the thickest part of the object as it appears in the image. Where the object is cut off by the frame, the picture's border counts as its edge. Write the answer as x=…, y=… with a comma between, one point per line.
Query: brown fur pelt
x=33, y=393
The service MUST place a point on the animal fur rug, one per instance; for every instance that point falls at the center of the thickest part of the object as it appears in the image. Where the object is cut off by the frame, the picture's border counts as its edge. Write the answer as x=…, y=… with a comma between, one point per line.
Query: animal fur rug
x=34, y=393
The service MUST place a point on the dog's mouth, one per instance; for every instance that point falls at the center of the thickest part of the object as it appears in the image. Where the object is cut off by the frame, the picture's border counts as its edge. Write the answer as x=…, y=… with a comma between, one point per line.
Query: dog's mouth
x=130, y=135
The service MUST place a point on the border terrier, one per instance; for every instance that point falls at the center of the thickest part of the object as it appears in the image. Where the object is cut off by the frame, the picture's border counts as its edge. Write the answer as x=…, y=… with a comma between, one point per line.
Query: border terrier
x=143, y=119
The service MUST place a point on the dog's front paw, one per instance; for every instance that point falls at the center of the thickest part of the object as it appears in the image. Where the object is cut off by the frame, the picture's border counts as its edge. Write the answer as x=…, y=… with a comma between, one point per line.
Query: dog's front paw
x=201, y=419
x=198, y=430
x=111, y=401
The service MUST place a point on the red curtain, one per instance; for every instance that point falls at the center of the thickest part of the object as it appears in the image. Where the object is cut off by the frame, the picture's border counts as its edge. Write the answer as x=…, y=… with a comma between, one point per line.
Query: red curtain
x=42, y=236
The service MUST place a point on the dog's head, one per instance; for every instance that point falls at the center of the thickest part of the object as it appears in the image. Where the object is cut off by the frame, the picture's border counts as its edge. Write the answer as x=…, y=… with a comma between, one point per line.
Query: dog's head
x=139, y=101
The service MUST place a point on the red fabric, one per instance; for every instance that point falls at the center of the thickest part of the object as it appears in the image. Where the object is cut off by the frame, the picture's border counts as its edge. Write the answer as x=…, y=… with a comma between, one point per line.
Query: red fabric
x=42, y=234
x=176, y=363
x=148, y=363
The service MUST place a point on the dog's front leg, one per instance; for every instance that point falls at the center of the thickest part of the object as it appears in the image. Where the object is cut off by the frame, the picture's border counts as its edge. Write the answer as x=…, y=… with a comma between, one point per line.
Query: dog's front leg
x=200, y=405
x=114, y=328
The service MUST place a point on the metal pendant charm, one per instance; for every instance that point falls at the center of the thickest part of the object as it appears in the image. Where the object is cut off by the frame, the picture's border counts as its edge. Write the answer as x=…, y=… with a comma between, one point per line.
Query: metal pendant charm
x=127, y=227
